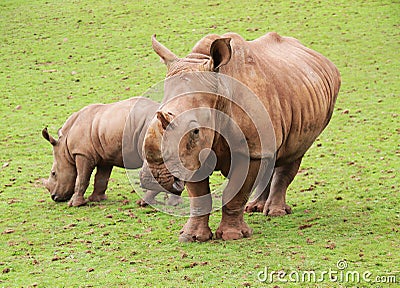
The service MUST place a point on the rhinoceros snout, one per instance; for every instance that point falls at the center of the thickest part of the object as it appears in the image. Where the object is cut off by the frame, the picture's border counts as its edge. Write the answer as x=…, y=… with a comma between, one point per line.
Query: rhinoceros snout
x=57, y=198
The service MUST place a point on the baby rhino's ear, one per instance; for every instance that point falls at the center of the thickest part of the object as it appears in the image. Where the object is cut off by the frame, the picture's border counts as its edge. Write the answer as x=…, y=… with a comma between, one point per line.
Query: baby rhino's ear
x=165, y=118
x=48, y=137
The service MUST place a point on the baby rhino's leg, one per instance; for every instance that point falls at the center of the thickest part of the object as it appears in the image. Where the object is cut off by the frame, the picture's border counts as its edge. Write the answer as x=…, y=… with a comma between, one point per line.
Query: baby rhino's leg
x=100, y=183
x=84, y=170
x=149, y=198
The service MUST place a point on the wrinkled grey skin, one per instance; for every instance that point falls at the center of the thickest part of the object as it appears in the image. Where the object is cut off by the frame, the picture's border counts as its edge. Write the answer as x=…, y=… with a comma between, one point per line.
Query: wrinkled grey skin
x=93, y=138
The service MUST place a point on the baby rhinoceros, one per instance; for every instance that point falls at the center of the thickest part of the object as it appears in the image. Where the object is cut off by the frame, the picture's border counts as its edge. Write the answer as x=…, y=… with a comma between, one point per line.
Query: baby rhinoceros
x=101, y=136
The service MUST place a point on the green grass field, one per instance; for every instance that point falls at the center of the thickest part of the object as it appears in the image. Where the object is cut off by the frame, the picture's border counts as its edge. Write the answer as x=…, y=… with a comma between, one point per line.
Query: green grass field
x=59, y=56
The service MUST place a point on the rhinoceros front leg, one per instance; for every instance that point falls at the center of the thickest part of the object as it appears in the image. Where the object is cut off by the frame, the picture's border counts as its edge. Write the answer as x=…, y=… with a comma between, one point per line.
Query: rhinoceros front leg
x=196, y=228
x=283, y=176
x=84, y=170
x=100, y=183
x=234, y=197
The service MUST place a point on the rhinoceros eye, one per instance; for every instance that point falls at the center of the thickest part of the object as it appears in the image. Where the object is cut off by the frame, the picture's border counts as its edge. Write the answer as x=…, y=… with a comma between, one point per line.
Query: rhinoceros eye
x=53, y=173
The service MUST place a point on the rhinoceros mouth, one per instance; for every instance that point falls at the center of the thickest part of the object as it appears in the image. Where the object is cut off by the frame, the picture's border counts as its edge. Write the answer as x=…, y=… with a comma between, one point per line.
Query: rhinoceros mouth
x=57, y=198
x=177, y=186
x=174, y=186
x=161, y=179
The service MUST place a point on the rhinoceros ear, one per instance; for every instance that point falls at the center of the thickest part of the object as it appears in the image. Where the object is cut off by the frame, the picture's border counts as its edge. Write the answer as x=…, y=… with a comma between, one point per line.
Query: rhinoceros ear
x=59, y=133
x=165, y=118
x=221, y=52
x=48, y=137
x=166, y=55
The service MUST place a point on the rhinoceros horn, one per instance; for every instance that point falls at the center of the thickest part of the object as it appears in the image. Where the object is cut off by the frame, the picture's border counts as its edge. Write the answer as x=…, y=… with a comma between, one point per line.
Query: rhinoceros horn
x=48, y=137
x=166, y=55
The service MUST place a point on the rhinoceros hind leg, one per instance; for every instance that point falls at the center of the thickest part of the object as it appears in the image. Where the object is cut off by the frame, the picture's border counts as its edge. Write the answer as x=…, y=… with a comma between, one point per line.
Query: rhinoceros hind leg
x=283, y=176
x=257, y=205
x=100, y=183
x=97, y=198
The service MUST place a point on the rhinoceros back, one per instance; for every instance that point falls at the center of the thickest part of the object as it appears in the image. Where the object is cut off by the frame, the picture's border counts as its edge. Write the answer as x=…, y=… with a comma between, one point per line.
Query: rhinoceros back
x=97, y=131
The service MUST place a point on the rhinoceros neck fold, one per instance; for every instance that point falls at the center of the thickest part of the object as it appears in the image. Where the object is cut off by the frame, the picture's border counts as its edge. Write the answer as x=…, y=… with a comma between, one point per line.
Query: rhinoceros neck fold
x=68, y=155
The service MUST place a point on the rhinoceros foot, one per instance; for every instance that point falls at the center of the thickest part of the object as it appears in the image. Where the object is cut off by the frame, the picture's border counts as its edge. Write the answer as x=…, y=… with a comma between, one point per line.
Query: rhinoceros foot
x=255, y=206
x=149, y=198
x=230, y=232
x=277, y=210
x=77, y=201
x=146, y=202
x=97, y=197
x=196, y=229
x=141, y=203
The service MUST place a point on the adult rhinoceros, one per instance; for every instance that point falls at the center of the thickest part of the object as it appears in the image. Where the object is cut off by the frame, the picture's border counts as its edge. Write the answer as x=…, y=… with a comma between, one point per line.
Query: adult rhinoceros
x=296, y=86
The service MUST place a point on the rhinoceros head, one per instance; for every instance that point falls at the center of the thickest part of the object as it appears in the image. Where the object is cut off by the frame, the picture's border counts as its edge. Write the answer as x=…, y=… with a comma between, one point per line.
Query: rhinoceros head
x=61, y=182
x=178, y=142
